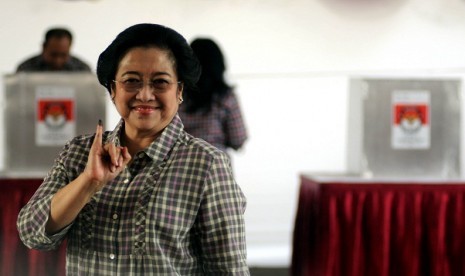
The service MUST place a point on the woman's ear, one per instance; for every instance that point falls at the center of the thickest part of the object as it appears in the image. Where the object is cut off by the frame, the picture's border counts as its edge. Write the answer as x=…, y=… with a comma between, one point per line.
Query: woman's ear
x=112, y=92
x=180, y=90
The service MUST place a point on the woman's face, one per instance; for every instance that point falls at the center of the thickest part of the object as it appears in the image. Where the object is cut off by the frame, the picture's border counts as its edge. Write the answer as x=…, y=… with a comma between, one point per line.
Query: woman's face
x=146, y=109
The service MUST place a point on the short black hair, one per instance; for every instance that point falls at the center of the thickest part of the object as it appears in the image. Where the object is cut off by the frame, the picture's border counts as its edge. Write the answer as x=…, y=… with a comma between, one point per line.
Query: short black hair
x=58, y=32
x=186, y=63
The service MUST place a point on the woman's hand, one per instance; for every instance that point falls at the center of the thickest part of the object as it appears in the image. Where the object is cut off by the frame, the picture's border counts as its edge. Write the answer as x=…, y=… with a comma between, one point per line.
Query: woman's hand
x=105, y=162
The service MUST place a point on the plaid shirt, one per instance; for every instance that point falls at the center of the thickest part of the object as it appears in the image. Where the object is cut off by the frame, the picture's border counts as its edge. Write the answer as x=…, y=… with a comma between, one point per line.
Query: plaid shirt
x=222, y=127
x=37, y=64
x=176, y=210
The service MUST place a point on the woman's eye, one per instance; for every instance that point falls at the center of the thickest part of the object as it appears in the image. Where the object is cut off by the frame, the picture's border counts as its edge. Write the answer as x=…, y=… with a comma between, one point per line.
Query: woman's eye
x=131, y=81
x=160, y=82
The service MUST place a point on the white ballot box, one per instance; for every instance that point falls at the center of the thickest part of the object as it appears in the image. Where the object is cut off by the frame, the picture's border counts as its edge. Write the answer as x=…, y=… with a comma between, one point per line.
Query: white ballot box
x=41, y=112
x=405, y=127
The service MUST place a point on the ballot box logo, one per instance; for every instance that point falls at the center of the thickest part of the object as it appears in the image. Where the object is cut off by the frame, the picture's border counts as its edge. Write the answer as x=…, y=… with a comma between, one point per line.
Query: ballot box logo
x=55, y=113
x=411, y=118
x=56, y=122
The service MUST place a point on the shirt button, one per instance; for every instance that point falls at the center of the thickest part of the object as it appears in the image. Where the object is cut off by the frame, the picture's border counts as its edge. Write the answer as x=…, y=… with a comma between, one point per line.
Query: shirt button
x=141, y=155
x=115, y=216
x=126, y=181
x=112, y=256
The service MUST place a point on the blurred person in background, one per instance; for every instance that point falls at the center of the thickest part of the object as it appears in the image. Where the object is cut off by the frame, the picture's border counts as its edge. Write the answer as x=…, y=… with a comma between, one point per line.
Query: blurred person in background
x=212, y=111
x=55, y=55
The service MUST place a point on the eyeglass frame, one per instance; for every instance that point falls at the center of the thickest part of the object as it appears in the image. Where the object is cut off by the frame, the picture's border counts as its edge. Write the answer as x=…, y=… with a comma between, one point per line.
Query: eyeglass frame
x=143, y=84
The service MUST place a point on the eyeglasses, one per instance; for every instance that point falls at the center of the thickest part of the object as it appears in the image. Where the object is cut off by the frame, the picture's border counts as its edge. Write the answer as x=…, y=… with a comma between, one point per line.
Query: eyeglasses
x=135, y=85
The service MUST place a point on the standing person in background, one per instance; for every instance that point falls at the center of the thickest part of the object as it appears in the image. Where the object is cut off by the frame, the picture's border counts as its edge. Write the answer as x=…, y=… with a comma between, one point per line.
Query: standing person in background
x=212, y=111
x=146, y=198
x=55, y=54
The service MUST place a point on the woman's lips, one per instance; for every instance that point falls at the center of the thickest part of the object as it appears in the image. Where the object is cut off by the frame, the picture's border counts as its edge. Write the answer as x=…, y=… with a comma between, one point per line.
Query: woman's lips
x=144, y=109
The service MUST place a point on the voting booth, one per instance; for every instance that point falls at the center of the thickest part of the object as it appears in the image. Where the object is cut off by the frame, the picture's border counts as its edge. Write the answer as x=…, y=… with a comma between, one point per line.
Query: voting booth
x=405, y=127
x=41, y=112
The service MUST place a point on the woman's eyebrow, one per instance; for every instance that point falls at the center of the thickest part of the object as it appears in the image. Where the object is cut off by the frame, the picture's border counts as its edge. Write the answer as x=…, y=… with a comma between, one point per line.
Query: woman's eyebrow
x=157, y=74
x=131, y=73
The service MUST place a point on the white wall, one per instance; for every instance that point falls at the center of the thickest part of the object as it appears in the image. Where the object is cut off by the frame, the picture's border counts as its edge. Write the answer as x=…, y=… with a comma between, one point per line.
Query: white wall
x=289, y=59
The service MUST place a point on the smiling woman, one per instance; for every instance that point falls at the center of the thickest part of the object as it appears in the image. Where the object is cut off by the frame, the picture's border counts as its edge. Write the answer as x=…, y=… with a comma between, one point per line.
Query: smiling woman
x=146, y=198
x=146, y=109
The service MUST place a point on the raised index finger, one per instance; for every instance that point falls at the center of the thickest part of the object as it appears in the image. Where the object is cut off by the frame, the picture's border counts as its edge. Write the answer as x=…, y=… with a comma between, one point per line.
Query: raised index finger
x=98, y=134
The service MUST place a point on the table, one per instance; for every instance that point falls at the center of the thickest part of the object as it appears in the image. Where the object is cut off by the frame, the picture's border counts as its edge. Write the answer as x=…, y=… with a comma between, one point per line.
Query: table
x=355, y=227
x=15, y=258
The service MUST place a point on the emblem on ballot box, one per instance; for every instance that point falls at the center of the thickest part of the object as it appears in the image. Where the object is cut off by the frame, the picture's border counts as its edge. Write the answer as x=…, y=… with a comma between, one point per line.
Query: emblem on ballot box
x=410, y=120
x=55, y=121
x=55, y=113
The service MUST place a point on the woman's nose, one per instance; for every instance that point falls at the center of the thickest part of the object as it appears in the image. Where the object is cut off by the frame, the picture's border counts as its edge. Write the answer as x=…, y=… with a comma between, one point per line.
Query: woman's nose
x=146, y=92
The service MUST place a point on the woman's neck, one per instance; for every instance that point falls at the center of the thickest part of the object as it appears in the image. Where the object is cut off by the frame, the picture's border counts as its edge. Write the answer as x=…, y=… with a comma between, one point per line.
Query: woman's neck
x=136, y=143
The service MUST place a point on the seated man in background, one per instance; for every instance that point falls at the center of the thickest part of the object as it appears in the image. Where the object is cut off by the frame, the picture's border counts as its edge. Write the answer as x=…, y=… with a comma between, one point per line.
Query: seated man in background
x=55, y=55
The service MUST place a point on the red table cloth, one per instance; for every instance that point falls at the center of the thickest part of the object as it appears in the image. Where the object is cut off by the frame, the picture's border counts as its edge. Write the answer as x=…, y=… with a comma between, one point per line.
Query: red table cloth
x=15, y=258
x=361, y=227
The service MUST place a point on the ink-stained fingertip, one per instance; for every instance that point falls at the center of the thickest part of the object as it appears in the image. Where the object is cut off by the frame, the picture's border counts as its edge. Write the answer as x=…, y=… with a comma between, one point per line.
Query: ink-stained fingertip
x=100, y=122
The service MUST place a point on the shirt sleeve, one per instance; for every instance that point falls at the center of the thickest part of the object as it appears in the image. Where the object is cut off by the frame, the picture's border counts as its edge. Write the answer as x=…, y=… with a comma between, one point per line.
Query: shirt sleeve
x=33, y=217
x=234, y=126
x=222, y=227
